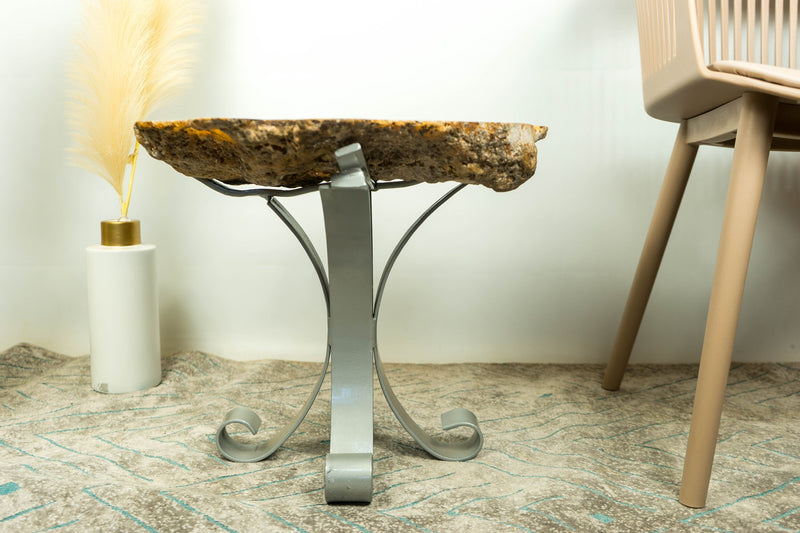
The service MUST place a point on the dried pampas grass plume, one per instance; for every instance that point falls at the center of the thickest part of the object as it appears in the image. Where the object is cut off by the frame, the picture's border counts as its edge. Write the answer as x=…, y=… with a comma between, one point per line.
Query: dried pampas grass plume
x=131, y=55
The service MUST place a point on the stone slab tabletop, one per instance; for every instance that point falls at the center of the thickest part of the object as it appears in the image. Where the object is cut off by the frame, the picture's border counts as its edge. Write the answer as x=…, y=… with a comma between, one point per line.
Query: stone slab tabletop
x=296, y=153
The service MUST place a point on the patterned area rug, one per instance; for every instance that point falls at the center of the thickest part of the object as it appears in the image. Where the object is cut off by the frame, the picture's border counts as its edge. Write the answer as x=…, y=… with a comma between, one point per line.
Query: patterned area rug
x=560, y=453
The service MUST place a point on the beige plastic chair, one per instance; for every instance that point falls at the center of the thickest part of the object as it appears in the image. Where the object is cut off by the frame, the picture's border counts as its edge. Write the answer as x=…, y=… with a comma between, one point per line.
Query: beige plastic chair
x=726, y=71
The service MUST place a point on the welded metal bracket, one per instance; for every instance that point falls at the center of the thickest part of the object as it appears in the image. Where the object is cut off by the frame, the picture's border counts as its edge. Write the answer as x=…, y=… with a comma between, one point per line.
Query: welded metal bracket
x=352, y=336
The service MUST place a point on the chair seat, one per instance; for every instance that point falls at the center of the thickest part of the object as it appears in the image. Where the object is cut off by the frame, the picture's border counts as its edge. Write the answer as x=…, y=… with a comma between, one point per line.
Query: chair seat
x=788, y=77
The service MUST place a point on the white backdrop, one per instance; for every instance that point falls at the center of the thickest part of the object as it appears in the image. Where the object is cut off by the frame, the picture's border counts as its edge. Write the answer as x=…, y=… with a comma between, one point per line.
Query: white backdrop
x=536, y=275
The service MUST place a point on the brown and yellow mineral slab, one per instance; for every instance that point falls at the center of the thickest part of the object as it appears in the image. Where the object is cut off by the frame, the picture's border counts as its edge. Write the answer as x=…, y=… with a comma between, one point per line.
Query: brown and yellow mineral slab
x=296, y=153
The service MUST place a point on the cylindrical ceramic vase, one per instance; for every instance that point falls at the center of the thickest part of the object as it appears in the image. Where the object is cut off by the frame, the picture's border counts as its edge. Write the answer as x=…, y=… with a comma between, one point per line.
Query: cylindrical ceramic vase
x=123, y=310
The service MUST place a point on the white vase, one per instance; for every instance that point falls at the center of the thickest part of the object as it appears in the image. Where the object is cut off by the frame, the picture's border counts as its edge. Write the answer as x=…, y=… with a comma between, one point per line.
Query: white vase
x=123, y=310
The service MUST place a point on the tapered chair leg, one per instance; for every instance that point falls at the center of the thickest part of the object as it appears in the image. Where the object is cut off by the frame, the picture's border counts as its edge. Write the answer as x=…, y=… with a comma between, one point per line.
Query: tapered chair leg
x=750, y=157
x=669, y=200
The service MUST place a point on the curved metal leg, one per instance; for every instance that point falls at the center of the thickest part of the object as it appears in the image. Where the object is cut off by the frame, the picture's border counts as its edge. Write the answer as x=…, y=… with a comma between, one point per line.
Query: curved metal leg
x=446, y=451
x=347, y=211
x=455, y=418
x=305, y=242
x=247, y=453
x=404, y=240
x=240, y=452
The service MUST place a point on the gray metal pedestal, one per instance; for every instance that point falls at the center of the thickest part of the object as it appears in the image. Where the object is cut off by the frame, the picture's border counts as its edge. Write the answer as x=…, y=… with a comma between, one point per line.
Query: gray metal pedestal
x=352, y=345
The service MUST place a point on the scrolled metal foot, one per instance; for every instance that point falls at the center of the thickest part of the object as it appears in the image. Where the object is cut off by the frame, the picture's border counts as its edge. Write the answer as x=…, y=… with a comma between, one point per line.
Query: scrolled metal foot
x=461, y=450
x=348, y=478
x=240, y=452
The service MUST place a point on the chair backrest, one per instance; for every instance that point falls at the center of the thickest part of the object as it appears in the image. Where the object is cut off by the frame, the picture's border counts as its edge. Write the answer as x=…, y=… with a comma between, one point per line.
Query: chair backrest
x=756, y=31
x=679, y=38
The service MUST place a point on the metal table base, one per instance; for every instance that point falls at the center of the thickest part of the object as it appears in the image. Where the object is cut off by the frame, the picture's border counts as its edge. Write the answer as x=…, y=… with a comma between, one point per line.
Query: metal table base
x=352, y=338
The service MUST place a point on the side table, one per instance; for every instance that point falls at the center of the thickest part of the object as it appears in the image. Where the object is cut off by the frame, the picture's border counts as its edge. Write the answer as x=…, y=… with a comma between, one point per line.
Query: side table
x=348, y=284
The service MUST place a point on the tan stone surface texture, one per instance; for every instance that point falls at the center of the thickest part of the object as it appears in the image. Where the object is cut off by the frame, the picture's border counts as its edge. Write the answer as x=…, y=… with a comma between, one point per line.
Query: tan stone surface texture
x=296, y=153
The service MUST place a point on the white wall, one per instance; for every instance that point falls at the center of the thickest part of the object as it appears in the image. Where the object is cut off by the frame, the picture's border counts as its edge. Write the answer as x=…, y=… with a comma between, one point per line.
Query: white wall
x=539, y=274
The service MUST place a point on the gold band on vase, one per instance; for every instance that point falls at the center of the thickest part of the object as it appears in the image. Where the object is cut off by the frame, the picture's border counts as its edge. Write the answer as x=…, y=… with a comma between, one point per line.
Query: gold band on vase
x=121, y=232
